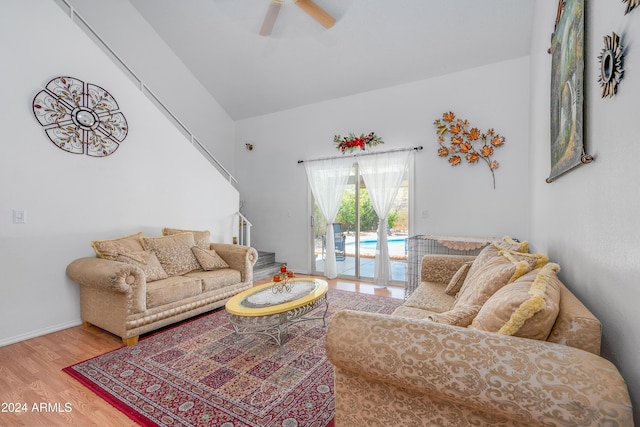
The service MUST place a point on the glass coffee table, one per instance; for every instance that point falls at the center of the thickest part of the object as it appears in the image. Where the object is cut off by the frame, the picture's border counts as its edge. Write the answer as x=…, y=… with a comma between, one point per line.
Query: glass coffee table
x=263, y=310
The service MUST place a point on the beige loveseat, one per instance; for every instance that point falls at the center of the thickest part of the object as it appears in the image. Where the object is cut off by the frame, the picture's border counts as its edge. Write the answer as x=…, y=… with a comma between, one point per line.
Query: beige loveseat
x=507, y=345
x=137, y=284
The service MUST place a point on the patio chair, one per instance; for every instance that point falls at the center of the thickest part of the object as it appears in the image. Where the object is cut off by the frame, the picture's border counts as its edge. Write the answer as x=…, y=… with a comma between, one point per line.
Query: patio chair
x=339, y=240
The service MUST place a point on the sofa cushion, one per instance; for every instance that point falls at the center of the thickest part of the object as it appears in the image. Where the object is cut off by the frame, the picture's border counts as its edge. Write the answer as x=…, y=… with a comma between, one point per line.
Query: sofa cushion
x=202, y=238
x=212, y=280
x=440, y=268
x=110, y=249
x=412, y=312
x=458, y=279
x=209, y=259
x=172, y=289
x=174, y=252
x=526, y=308
x=148, y=261
x=430, y=296
x=496, y=272
x=459, y=316
x=576, y=326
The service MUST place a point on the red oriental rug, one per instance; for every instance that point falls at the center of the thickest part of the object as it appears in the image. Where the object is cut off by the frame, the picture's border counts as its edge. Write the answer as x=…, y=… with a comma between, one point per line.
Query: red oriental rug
x=199, y=373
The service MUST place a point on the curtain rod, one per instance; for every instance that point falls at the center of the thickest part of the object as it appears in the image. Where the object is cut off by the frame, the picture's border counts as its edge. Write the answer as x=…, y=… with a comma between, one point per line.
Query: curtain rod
x=417, y=148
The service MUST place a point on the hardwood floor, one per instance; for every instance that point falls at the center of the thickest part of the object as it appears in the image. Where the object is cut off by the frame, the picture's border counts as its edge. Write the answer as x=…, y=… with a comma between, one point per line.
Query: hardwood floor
x=35, y=392
x=31, y=375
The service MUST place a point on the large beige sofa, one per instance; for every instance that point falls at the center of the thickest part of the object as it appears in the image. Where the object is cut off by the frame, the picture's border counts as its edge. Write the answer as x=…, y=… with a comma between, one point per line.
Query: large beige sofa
x=137, y=284
x=507, y=344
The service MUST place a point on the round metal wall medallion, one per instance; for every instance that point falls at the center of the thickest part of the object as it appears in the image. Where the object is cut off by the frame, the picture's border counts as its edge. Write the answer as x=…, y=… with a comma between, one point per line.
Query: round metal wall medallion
x=79, y=117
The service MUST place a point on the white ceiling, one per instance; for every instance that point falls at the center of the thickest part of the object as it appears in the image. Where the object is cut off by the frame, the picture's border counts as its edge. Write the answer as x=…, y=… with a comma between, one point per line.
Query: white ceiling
x=374, y=44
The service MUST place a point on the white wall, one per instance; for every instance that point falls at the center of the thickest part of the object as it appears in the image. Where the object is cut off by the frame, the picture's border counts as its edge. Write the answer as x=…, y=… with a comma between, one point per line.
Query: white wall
x=155, y=179
x=136, y=42
x=458, y=201
x=587, y=219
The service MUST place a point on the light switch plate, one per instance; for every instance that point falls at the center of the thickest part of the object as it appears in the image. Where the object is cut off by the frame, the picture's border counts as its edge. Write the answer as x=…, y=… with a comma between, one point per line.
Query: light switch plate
x=19, y=216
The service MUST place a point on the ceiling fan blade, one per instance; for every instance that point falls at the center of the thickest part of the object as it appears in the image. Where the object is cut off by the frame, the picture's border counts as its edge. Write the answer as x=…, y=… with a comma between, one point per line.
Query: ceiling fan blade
x=316, y=12
x=270, y=17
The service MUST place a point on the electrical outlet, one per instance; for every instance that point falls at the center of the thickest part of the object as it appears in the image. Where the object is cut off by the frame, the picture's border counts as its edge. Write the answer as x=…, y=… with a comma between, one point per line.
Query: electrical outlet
x=19, y=216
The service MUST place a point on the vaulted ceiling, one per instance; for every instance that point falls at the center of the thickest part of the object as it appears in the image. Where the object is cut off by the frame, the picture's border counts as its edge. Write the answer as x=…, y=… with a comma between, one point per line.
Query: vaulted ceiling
x=374, y=44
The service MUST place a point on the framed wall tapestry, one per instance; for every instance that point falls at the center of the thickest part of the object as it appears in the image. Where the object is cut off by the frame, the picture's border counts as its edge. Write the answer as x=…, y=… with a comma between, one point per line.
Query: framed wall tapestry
x=567, y=89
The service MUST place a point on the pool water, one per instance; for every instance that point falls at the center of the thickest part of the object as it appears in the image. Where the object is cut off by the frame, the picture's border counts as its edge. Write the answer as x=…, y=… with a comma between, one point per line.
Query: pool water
x=396, y=246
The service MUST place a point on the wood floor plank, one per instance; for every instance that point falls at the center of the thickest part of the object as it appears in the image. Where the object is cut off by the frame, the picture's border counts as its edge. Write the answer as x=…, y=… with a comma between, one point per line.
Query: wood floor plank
x=32, y=376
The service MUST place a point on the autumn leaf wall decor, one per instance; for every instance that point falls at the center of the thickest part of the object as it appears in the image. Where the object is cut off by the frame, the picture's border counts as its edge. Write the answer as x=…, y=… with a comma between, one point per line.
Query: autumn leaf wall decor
x=457, y=139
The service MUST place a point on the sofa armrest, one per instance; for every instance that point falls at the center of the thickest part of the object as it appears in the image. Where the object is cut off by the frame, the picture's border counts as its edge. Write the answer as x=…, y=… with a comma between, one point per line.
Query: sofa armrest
x=527, y=382
x=111, y=276
x=441, y=268
x=239, y=257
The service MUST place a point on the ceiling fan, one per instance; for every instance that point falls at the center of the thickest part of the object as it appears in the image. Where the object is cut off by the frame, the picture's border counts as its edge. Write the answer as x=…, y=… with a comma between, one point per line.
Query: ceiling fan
x=309, y=6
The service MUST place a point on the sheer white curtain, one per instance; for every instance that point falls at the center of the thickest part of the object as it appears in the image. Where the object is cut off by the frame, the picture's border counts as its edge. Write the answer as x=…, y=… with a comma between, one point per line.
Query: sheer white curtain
x=328, y=179
x=382, y=174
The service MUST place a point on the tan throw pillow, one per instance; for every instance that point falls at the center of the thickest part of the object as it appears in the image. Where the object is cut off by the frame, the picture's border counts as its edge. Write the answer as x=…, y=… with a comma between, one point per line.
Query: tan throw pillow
x=487, y=253
x=174, y=252
x=493, y=275
x=527, y=308
x=534, y=260
x=457, y=280
x=202, y=238
x=148, y=261
x=209, y=259
x=493, y=249
x=512, y=244
x=110, y=249
x=460, y=316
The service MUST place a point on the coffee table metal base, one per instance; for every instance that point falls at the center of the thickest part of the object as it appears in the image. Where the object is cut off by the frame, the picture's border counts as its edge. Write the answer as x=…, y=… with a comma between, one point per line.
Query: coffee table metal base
x=276, y=325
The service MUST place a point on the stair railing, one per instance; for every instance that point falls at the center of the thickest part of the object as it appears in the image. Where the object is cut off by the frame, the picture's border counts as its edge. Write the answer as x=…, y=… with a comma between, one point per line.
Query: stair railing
x=244, y=230
x=146, y=91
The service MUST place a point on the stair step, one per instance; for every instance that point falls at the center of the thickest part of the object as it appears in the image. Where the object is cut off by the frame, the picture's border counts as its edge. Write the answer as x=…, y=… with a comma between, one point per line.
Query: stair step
x=265, y=258
x=266, y=266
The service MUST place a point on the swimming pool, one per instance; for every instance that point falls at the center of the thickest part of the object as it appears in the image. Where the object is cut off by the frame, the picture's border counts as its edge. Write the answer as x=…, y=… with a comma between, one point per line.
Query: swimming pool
x=396, y=246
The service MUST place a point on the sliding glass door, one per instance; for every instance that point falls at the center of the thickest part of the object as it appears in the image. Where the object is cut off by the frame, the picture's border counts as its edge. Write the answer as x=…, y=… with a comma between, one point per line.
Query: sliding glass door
x=355, y=232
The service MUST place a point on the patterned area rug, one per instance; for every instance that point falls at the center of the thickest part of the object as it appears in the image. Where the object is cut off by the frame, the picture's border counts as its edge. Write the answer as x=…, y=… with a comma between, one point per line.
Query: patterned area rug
x=199, y=373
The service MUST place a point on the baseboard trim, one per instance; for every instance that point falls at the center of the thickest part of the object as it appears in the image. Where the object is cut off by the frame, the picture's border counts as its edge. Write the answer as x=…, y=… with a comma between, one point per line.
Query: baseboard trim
x=38, y=333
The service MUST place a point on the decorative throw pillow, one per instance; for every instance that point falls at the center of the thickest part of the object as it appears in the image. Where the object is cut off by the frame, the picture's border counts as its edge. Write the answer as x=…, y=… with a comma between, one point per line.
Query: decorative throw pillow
x=493, y=248
x=459, y=316
x=534, y=260
x=110, y=249
x=514, y=245
x=148, y=261
x=527, y=308
x=209, y=259
x=174, y=252
x=457, y=280
x=202, y=238
x=486, y=254
x=493, y=275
